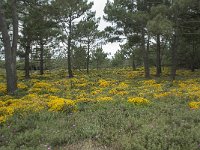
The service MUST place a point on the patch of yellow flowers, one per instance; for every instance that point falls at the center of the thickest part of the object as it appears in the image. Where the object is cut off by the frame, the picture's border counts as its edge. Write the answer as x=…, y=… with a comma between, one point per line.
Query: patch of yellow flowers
x=2, y=88
x=194, y=105
x=43, y=86
x=138, y=100
x=61, y=104
x=104, y=99
x=103, y=83
x=65, y=94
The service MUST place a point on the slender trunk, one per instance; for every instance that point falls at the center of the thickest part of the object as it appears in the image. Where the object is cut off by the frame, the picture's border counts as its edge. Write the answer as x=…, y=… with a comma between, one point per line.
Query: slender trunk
x=88, y=56
x=158, y=57
x=15, y=39
x=133, y=62
x=70, y=73
x=174, y=47
x=27, y=60
x=97, y=64
x=41, y=57
x=174, y=57
x=145, y=55
x=10, y=51
x=193, y=57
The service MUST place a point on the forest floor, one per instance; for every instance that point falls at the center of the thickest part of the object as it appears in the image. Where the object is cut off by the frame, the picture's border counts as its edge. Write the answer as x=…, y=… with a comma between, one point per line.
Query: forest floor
x=113, y=109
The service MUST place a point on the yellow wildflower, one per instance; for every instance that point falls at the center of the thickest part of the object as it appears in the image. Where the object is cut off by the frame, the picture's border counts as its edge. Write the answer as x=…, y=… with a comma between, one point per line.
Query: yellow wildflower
x=102, y=99
x=22, y=86
x=60, y=104
x=103, y=83
x=138, y=100
x=194, y=105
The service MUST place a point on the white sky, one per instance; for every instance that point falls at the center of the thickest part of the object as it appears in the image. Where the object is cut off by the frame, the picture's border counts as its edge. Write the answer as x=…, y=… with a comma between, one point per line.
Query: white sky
x=99, y=7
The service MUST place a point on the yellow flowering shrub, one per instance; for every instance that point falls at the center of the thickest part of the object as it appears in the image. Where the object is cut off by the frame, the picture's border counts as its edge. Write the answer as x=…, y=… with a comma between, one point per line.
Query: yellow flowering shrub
x=103, y=99
x=194, y=105
x=61, y=104
x=22, y=86
x=5, y=111
x=98, y=91
x=133, y=74
x=113, y=91
x=41, y=84
x=29, y=103
x=103, y=83
x=44, y=87
x=81, y=95
x=84, y=100
x=119, y=89
x=138, y=100
x=3, y=119
x=123, y=85
x=116, y=91
x=81, y=85
x=149, y=82
x=53, y=90
x=45, y=94
x=2, y=103
x=3, y=88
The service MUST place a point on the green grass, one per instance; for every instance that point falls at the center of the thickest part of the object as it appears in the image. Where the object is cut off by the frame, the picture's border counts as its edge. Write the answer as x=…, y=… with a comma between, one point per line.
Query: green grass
x=165, y=125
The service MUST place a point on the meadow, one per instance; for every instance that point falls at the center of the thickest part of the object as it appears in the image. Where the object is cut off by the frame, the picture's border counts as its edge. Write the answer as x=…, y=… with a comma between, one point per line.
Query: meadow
x=113, y=109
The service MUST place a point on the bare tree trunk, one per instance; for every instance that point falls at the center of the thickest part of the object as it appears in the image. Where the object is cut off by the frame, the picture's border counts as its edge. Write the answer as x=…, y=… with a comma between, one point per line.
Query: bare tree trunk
x=27, y=60
x=158, y=57
x=10, y=51
x=174, y=57
x=88, y=57
x=145, y=55
x=133, y=62
x=97, y=64
x=69, y=51
x=41, y=57
x=193, y=57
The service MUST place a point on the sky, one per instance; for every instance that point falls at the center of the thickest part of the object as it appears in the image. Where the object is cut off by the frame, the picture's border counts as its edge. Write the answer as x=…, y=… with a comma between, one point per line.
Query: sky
x=99, y=7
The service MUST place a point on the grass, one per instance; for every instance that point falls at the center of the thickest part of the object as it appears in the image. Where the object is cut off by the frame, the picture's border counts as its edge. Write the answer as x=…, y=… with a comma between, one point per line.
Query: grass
x=166, y=123
x=115, y=126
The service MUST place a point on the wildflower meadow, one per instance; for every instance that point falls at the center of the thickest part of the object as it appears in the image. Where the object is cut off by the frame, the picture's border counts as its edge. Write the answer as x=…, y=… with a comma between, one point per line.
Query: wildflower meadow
x=107, y=109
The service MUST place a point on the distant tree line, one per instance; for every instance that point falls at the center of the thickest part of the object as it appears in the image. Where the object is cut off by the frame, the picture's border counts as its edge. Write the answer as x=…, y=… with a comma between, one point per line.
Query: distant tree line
x=162, y=32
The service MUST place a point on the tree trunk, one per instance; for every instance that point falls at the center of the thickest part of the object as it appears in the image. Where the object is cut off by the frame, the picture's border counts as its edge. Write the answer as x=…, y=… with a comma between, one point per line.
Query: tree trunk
x=133, y=62
x=193, y=57
x=174, y=57
x=41, y=57
x=27, y=60
x=88, y=57
x=158, y=57
x=10, y=51
x=70, y=73
x=145, y=55
x=97, y=64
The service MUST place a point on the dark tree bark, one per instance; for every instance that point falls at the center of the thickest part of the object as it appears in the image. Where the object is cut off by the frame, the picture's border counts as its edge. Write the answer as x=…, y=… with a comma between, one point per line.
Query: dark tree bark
x=10, y=51
x=193, y=56
x=158, y=57
x=133, y=62
x=70, y=73
x=88, y=57
x=27, y=60
x=145, y=55
x=174, y=57
x=41, y=57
